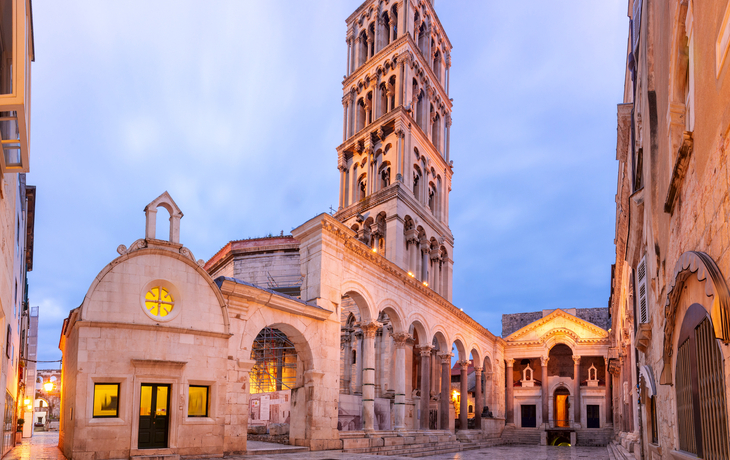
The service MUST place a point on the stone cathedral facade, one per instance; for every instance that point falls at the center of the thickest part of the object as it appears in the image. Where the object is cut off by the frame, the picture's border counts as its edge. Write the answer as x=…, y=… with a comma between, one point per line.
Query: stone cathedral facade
x=342, y=334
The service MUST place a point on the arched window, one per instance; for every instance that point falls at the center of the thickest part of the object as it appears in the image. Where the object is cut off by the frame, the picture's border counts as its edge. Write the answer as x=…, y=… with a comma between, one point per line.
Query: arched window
x=360, y=114
x=416, y=182
x=700, y=388
x=362, y=187
x=394, y=22
x=437, y=65
x=436, y=132
x=432, y=198
x=385, y=177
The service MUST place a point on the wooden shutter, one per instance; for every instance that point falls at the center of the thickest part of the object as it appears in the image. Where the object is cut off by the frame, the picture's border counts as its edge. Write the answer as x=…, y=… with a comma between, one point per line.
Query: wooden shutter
x=641, y=289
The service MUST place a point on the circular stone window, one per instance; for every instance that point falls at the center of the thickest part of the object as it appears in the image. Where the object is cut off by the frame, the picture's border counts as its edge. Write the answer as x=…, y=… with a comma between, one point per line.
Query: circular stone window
x=161, y=300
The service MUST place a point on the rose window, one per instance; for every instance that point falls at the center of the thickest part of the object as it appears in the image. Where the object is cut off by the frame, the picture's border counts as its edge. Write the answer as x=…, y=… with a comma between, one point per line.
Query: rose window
x=159, y=302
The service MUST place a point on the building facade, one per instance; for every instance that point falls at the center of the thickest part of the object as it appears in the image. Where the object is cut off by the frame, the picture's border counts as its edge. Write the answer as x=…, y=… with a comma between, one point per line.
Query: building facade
x=669, y=298
x=17, y=209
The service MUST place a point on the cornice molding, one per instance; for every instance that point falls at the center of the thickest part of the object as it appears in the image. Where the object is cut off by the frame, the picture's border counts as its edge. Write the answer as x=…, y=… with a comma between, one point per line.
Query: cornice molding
x=363, y=252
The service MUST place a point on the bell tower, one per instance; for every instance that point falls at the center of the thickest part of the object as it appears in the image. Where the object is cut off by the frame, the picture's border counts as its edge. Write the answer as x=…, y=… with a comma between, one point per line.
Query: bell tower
x=395, y=170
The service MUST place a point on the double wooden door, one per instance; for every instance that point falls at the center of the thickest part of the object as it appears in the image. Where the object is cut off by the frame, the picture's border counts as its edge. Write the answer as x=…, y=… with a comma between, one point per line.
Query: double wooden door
x=154, y=417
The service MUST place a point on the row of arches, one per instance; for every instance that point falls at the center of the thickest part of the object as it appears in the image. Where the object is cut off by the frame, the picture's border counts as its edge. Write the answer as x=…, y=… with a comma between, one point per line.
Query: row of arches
x=427, y=258
x=367, y=175
x=368, y=38
x=385, y=356
x=430, y=114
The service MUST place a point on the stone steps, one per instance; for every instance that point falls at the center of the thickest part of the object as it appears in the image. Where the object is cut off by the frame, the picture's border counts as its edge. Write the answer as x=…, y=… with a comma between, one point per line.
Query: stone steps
x=522, y=436
x=411, y=450
x=619, y=452
x=594, y=437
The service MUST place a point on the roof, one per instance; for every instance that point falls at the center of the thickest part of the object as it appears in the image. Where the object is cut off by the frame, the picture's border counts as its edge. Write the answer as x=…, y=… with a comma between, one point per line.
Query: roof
x=219, y=282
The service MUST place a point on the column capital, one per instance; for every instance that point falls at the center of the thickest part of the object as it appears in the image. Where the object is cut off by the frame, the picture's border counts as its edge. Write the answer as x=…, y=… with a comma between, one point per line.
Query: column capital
x=478, y=370
x=576, y=359
x=509, y=362
x=425, y=350
x=400, y=339
x=544, y=360
x=445, y=358
x=369, y=329
x=464, y=365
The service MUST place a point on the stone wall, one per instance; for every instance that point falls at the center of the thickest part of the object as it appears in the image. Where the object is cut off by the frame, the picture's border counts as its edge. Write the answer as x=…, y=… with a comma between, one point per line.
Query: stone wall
x=516, y=321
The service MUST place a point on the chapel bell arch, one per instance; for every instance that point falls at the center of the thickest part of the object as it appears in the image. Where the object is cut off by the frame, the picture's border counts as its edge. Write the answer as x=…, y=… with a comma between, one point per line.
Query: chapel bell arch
x=165, y=201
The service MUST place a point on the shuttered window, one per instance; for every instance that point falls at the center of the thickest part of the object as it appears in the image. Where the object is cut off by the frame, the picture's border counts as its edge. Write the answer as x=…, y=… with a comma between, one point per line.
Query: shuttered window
x=641, y=284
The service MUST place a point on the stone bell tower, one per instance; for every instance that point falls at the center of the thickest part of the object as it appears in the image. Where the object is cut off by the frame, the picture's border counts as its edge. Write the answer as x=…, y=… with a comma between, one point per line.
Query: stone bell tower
x=395, y=170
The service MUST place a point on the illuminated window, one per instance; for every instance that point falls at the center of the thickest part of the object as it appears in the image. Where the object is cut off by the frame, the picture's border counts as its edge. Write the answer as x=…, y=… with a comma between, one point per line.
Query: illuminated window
x=159, y=302
x=106, y=400
x=198, y=401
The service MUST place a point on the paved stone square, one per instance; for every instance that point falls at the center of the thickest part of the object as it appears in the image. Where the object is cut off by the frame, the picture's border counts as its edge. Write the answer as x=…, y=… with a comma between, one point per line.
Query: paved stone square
x=491, y=453
x=42, y=446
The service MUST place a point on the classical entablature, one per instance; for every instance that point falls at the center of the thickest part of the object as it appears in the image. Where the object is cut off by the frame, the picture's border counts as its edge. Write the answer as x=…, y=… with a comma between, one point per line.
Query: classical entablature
x=558, y=327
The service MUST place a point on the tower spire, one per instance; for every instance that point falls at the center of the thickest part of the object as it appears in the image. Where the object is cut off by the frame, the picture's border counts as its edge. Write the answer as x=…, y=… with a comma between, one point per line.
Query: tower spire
x=395, y=170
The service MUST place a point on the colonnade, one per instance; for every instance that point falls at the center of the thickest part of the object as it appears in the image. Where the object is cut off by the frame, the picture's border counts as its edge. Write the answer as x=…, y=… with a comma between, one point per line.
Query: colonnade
x=427, y=261
x=435, y=379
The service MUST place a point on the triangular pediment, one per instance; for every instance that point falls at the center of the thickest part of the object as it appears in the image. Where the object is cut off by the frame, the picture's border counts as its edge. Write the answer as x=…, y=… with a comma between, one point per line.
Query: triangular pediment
x=558, y=322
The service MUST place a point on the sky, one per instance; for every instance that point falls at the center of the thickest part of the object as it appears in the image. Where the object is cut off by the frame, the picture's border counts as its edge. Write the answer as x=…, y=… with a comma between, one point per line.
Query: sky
x=234, y=108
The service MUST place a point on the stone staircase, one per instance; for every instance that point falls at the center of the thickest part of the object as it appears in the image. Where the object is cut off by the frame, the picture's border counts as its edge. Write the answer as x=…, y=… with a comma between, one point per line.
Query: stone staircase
x=619, y=452
x=520, y=436
x=594, y=437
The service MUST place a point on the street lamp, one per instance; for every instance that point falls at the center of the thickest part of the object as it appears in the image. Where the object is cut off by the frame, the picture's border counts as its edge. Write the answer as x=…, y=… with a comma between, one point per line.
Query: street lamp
x=48, y=386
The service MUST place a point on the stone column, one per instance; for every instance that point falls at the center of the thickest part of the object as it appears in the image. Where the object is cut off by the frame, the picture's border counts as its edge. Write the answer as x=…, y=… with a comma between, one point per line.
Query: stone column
x=609, y=410
x=347, y=350
x=445, y=402
x=464, y=390
x=401, y=84
x=488, y=391
x=400, y=380
x=448, y=137
x=351, y=115
x=478, y=403
x=399, y=134
x=424, y=260
x=368, y=375
x=412, y=248
x=544, y=389
x=576, y=382
x=358, y=363
x=343, y=178
x=425, y=385
x=509, y=415
x=348, y=40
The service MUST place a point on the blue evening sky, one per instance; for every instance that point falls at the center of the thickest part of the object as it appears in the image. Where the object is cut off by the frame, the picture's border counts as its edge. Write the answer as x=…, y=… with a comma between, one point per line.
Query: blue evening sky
x=235, y=109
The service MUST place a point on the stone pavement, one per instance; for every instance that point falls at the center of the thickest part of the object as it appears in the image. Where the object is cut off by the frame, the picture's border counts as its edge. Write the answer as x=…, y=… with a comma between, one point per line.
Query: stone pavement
x=490, y=453
x=42, y=446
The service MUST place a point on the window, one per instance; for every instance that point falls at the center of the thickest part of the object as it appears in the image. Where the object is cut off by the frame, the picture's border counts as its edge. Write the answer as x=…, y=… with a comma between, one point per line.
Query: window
x=652, y=418
x=106, y=400
x=198, y=401
x=159, y=301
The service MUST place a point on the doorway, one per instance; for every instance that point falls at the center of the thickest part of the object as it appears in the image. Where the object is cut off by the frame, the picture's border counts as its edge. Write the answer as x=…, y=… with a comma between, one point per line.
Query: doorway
x=529, y=415
x=593, y=416
x=561, y=408
x=153, y=416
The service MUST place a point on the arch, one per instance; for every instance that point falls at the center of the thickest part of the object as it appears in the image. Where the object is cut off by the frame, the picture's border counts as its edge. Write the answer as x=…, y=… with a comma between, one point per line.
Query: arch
x=362, y=299
x=165, y=201
x=460, y=348
x=394, y=312
x=487, y=364
x=440, y=337
x=476, y=354
x=560, y=336
x=707, y=272
x=559, y=385
x=420, y=331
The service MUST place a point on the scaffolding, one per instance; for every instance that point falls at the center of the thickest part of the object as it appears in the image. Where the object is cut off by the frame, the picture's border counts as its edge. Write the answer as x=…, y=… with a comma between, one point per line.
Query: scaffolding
x=276, y=362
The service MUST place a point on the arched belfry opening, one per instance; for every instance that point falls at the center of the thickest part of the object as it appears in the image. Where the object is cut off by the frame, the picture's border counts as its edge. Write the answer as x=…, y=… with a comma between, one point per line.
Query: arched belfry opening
x=165, y=201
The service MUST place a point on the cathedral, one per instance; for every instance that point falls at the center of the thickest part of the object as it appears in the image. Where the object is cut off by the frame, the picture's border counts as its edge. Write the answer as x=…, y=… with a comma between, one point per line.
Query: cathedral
x=341, y=335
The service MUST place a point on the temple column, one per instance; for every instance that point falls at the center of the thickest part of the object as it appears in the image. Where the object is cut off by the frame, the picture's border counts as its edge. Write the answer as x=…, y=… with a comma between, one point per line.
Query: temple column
x=425, y=385
x=351, y=115
x=509, y=413
x=401, y=84
x=368, y=375
x=544, y=390
x=358, y=364
x=448, y=138
x=478, y=398
x=400, y=380
x=576, y=382
x=348, y=40
x=488, y=389
x=445, y=401
x=464, y=390
x=343, y=170
x=412, y=248
x=424, y=261
x=609, y=410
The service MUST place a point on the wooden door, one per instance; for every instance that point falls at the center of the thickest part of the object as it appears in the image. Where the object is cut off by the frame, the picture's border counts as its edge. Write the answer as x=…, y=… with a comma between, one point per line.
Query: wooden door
x=153, y=416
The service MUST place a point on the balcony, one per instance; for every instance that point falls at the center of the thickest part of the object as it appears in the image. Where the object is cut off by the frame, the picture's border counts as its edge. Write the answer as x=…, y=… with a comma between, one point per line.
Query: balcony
x=16, y=50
